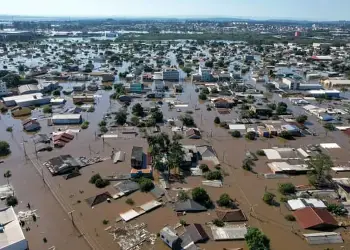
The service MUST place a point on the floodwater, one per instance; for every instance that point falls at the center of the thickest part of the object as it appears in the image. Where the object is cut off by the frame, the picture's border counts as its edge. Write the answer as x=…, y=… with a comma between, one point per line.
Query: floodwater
x=54, y=197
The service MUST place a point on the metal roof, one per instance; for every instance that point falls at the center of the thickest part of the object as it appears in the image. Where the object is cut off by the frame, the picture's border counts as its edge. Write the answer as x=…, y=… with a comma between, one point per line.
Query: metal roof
x=12, y=231
x=234, y=232
x=66, y=116
x=323, y=238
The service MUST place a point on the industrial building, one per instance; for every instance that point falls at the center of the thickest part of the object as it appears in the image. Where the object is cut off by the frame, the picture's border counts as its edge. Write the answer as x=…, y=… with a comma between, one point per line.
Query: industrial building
x=27, y=100
x=47, y=87
x=332, y=93
x=11, y=234
x=158, y=82
x=336, y=83
x=59, y=119
x=28, y=89
x=205, y=74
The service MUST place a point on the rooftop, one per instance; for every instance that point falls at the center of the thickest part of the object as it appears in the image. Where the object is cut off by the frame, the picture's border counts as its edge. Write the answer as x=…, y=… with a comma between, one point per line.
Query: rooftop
x=10, y=229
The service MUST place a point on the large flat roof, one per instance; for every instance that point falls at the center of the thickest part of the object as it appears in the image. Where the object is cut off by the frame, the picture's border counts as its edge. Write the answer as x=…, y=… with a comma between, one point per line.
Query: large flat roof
x=12, y=231
x=23, y=97
x=66, y=116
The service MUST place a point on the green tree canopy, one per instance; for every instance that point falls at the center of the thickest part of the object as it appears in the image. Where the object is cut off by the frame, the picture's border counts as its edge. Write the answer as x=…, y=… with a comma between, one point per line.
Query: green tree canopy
x=256, y=240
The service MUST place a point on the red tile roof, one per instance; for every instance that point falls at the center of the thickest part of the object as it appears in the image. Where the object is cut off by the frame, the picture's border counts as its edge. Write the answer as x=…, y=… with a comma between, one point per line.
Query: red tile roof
x=311, y=217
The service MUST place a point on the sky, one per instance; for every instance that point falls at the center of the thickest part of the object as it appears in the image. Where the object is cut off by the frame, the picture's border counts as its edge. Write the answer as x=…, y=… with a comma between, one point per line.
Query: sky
x=322, y=10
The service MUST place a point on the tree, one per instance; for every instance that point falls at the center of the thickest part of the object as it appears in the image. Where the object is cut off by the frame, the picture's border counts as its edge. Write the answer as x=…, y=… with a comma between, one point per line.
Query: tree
x=204, y=168
x=256, y=240
x=146, y=185
x=286, y=188
x=236, y=134
x=201, y=196
x=182, y=196
x=209, y=64
x=319, y=167
x=175, y=155
x=121, y=117
x=94, y=178
x=187, y=120
x=103, y=129
x=260, y=152
x=301, y=119
x=268, y=198
x=157, y=115
x=102, y=123
x=11, y=201
x=286, y=135
x=8, y=175
x=202, y=96
x=214, y=175
x=137, y=109
x=217, y=120
x=225, y=201
x=205, y=91
x=281, y=108
x=289, y=217
x=101, y=183
x=4, y=148
x=329, y=126
x=250, y=135
x=56, y=92
x=47, y=109
x=135, y=120
x=85, y=125
x=248, y=164
x=130, y=201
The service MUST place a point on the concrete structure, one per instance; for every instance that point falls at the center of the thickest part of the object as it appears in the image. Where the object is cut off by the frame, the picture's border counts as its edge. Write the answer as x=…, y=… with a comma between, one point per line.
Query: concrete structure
x=158, y=82
x=291, y=83
x=59, y=119
x=28, y=89
x=286, y=168
x=47, y=87
x=11, y=234
x=27, y=100
x=332, y=93
x=3, y=89
x=205, y=74
x=336, y=83
x=171, y=75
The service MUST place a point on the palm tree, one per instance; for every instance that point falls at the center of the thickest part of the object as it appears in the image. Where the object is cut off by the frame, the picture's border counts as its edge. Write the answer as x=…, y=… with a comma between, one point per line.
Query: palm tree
x=7, y=175
x=175, y=155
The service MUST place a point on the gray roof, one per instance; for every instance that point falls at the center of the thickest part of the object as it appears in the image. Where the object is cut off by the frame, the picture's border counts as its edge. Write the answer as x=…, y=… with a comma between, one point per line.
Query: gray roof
x=119, y=156
x=127, y=186
x=189, y=206
x=197, y=233
x=169, y=235
x=27, y=87
x=137, y=153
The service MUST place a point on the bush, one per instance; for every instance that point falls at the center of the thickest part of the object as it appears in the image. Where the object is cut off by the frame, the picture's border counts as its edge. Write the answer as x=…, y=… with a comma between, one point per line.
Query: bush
x=146, y=185
x=217, y=120
x=286, y=188
x=9, y=129
x=130, y=201
x=4, y=148
x=103, y=129
x=289, y=217
x=218, y=223
x=224, y=125
x=11, y=201
x=47, y=109
x=236, y=134
x=105, y=222
x=214, y=175
x=85, y=125
x=102, y=123
x=329, y=126
x=202, y=96
x=283, y=199
x=286, y=135
x=301, y=119
x=187, y=120
x=337, y=209
x=101, y=183
x=94, y=178
x=260, y=152
x=224, y=200
x=91, y=109
x=183, y=222
x=204, y=168
x=268, y=198
x=250, y=135
x=182, y=196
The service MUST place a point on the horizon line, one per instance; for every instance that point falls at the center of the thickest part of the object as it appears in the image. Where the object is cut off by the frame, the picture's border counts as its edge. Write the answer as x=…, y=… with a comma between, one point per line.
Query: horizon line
x=177, y=17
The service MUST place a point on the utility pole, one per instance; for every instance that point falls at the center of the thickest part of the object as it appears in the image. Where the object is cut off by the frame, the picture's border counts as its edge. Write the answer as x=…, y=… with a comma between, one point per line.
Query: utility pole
x=71, y=217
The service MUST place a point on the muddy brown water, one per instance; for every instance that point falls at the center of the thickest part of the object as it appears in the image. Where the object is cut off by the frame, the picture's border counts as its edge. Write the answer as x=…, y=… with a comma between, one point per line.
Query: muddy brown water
x=247, y=188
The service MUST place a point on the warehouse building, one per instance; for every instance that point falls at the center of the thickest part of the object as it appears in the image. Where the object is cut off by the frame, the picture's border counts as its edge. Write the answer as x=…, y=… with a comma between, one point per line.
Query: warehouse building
x=27, y=100
x=28, y=89
x=59, y=119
